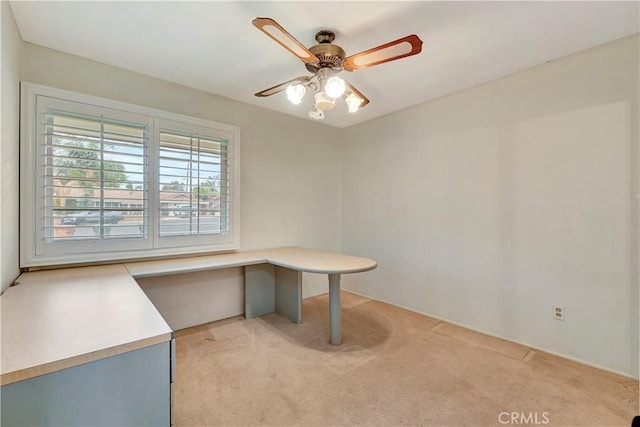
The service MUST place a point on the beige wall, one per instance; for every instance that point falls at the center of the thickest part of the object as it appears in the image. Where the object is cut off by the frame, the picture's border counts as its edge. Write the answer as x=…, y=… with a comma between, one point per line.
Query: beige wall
x=192, y=299
x=486, y=207
x=290, y=168
x=10, y=107
x=290, y=176
x=490, y=206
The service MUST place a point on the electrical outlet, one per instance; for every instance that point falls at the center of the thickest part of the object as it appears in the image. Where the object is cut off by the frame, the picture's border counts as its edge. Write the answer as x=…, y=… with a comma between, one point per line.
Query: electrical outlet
x=558, y=312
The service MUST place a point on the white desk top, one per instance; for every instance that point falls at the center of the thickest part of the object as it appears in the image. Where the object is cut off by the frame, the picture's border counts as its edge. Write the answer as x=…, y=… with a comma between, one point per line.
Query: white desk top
x=57, y=319
x=301, y=259
x=61, y=318
x=313, y=261
x=190, y=264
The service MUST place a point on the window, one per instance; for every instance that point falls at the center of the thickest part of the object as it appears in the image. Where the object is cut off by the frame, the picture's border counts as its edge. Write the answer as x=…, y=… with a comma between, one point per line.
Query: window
x=94, y=177
x=193, y=184
x=103, y=180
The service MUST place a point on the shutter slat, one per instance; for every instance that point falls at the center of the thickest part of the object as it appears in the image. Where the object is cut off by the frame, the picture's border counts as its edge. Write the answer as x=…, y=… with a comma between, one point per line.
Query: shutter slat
x=192, y=161
x=89, y=161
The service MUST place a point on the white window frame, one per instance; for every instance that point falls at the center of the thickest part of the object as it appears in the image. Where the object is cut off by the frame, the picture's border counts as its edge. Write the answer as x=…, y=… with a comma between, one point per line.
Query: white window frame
x=35, y=252
x=184, y=127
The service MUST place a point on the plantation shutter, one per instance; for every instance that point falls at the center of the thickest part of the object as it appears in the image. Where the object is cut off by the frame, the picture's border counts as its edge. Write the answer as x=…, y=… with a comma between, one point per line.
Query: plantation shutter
x=95, y=185
x=194, y=184
x=103, y=180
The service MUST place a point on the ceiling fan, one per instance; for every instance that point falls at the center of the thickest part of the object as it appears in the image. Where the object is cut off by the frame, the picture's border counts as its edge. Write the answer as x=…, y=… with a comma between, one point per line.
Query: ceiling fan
x=324, y=60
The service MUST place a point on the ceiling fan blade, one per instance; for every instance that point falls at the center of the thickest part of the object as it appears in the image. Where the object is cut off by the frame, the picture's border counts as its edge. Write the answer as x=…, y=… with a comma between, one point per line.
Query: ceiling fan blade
x=352, y=89
x=282, y=86
x=401, y=48
x=286, y=40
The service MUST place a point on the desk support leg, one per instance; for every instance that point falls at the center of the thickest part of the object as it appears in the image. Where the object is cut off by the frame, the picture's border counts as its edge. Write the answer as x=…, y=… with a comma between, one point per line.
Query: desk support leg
x=288, y=295
x=259, y=290
x=335, y=309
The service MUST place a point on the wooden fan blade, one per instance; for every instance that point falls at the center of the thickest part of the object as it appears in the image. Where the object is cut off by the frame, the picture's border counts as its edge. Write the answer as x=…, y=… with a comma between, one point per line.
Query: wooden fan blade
x=401, y=48
x=352, y=89
x=282, y=86
x=284, y=39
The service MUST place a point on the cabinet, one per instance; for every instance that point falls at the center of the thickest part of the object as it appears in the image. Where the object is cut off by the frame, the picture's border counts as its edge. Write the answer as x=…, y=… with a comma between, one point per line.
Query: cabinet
x=83, y=347
x=129, y=389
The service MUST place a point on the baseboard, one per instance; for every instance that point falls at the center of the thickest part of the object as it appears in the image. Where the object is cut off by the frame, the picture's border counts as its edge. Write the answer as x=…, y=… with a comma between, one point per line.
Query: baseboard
x=555, y=353
x=319, y=293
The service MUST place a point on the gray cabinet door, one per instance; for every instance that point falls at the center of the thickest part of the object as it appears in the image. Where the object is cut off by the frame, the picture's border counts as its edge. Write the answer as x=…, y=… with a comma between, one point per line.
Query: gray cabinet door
x=131, y=389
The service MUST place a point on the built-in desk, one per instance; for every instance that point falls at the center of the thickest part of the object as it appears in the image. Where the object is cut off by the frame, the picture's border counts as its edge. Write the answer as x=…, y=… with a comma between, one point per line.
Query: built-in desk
x=85, y=346
x=273, y=278
x=289, y=287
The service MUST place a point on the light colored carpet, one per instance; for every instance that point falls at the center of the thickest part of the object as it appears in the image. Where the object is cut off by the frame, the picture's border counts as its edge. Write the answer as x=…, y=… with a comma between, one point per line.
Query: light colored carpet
x=394, y=368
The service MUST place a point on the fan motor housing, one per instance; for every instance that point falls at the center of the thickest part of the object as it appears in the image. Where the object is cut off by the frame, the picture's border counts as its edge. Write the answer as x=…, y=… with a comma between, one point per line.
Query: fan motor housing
x=330, y=55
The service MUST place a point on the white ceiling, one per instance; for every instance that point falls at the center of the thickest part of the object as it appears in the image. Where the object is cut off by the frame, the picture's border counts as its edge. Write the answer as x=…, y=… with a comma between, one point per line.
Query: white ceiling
x=212, y=46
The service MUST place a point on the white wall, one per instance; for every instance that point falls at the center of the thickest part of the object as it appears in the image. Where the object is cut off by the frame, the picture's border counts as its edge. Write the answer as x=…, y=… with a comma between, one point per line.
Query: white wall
x=486, y=207
x=490, y=206
x=290, y=167
x=10, y=107
x=290, y=177
x=192, y=299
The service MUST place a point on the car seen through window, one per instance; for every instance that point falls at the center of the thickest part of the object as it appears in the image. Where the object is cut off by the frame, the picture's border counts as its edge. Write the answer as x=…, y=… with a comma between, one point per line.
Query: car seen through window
x=92, y=217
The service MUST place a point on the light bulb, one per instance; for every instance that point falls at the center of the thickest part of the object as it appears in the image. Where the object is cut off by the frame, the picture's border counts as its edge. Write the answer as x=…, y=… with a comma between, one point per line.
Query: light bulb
x=353, y=102
x=295, y=93
x=334, y=87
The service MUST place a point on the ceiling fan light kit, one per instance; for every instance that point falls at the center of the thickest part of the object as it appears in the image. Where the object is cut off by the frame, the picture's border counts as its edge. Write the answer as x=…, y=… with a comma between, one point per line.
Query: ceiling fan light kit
x=335, y=86
x=324, y=60
x=295, y=93
x=316, y=114
x=324, y=102
x=353, y=102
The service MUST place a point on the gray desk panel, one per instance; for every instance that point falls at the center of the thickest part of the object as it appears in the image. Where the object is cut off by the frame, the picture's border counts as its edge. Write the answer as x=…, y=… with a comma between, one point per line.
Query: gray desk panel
x=131, y=389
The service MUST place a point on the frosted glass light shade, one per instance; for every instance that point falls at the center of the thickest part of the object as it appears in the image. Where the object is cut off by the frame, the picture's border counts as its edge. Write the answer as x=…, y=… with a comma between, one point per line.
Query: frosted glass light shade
x=353, y=102
x=334, y=87
x=324, y=102
x=295, y=93
x=316, y=114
